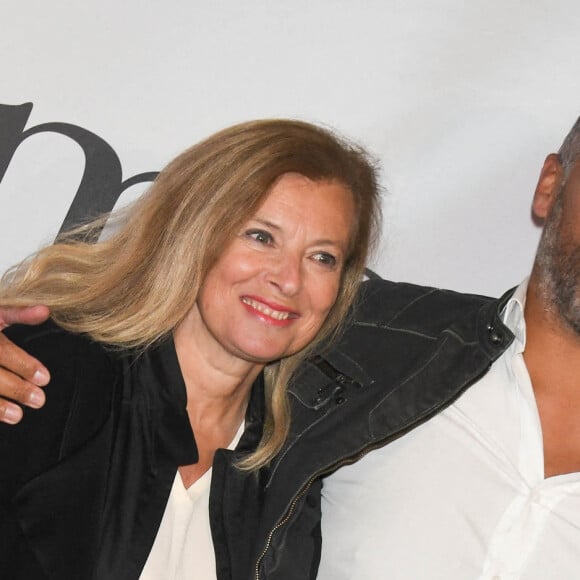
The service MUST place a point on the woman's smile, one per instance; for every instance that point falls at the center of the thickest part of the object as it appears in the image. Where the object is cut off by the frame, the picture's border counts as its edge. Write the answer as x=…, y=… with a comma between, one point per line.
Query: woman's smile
x=272, y=313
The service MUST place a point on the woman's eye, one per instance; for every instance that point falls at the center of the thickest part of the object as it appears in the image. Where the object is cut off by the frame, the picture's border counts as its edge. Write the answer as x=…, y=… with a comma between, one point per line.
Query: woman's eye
x=326, y=259
x=260, y=236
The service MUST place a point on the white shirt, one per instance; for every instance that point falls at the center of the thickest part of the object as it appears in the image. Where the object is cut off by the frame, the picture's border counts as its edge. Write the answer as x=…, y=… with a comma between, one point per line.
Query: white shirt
x=183, y=547
x=462, y=496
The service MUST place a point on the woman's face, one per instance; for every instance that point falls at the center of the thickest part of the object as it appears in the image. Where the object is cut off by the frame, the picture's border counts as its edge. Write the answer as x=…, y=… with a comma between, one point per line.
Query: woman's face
x=273, y=286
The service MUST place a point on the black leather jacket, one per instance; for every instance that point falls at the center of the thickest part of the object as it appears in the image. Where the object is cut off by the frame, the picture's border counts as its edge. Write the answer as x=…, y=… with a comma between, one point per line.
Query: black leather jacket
x=408, y=354
x=88, y=477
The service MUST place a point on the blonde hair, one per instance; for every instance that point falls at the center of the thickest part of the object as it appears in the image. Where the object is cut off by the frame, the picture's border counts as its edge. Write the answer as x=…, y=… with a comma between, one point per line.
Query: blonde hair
x=136, y=286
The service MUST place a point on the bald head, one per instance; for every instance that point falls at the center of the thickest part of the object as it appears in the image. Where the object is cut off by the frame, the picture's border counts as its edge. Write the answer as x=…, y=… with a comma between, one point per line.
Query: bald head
x=570, y=149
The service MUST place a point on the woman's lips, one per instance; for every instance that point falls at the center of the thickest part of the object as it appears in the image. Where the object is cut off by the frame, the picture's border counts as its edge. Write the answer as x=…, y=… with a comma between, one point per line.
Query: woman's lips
x=276, y=312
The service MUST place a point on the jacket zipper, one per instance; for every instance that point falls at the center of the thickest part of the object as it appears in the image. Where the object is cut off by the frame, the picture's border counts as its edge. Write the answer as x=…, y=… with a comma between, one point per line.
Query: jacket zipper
x=354, y=458
x=306, y=487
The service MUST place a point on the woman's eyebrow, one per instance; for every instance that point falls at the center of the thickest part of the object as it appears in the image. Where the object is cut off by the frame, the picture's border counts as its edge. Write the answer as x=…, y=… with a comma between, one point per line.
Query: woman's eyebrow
x=321, y=242
x=266, y=222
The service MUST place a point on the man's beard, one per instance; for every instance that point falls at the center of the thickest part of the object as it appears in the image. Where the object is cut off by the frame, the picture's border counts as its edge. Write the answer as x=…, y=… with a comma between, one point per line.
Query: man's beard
x=558, y=268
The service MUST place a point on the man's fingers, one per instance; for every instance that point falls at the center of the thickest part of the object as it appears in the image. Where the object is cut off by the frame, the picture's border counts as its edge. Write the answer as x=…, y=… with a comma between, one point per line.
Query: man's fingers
x=9, y=412
x=30, y=315
x=20, y=374
x=19, y=391
x=14, y=360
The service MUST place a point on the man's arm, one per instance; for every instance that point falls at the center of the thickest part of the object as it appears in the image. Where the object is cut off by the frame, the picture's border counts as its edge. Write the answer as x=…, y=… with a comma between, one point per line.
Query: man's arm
x=20, y=374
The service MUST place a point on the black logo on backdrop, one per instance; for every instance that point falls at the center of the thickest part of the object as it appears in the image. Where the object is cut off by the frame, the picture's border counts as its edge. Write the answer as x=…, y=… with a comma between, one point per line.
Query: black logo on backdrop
x=102, y=181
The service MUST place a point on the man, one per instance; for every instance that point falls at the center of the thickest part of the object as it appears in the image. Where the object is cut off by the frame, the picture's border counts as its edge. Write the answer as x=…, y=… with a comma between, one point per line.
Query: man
x=440, y=438
x=490, y=487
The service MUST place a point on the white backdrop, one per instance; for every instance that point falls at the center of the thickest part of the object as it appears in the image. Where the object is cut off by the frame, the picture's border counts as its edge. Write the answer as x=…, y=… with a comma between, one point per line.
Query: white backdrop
x=460, y=100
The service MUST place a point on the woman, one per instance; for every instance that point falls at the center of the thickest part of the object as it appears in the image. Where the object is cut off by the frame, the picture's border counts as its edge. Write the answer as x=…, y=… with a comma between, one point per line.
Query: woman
x=170, y=339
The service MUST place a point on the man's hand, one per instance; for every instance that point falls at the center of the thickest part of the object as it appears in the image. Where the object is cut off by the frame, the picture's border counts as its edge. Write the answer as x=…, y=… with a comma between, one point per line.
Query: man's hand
x=20, y=374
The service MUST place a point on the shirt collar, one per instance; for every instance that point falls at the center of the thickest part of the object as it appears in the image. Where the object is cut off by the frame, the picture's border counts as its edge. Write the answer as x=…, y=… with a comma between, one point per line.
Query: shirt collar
x=513, y=315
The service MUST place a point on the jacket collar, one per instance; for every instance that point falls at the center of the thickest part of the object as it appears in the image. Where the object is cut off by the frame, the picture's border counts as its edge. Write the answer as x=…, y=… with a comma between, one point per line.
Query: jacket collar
x=371, y=388
x=255, y=416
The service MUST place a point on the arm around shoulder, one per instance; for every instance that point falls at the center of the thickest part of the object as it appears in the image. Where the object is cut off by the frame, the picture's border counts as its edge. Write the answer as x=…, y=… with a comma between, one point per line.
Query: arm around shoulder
x=21, y=375
x=78, y=402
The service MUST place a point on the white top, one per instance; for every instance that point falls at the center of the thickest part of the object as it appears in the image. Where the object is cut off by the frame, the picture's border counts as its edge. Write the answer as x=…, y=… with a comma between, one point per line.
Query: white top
x=461, y=497
x=183, y=547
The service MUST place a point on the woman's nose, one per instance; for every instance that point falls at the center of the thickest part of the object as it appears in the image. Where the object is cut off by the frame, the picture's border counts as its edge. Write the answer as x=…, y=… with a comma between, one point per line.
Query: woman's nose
x=286, y=274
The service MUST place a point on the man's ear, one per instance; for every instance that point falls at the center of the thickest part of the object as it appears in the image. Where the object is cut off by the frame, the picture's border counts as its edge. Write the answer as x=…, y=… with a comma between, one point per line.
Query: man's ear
x=549, y=185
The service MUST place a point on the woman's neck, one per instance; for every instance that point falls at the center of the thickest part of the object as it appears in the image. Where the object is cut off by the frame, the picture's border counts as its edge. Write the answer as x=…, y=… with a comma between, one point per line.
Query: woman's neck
x=218, y=390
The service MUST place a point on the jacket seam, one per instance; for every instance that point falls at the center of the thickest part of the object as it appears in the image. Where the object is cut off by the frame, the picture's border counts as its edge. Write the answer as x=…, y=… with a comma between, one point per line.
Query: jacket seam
x=388, y=326
x=412, y=303
x=295, y=440
x=359, y=367
x=73, y=405
x=410, y=377
x=460, y=338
